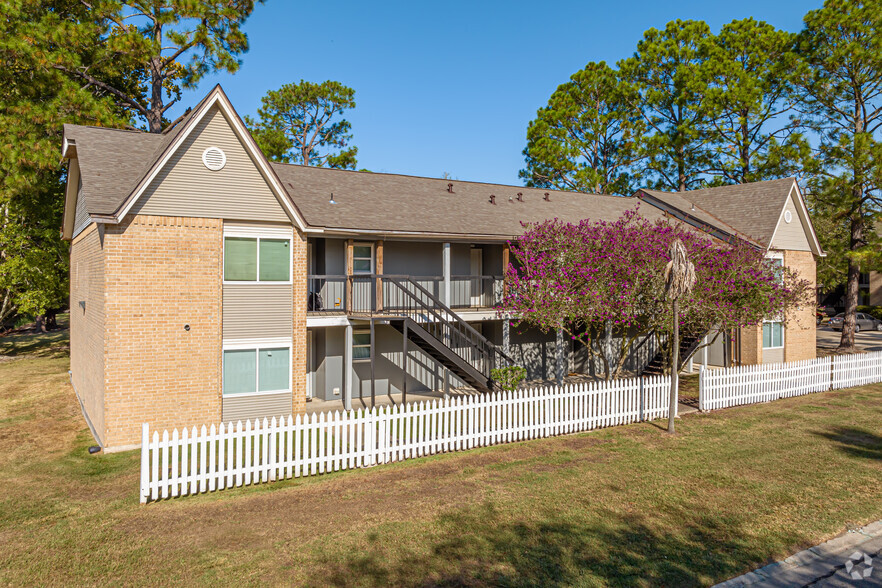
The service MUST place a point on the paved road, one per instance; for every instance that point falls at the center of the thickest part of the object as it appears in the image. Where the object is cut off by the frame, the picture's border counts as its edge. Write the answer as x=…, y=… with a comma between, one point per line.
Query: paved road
x=852, y=559
x=866, y=340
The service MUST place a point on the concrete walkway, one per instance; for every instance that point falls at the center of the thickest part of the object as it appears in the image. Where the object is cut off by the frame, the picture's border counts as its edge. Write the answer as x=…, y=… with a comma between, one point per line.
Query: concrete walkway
x=852, y=559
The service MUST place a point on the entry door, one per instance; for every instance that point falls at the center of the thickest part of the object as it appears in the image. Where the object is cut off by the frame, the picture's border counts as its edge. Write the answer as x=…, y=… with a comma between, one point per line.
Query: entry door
x=477, y=270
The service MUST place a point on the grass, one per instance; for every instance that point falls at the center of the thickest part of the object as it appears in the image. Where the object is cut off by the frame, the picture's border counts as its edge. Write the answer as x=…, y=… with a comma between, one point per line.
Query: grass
x=627, y=506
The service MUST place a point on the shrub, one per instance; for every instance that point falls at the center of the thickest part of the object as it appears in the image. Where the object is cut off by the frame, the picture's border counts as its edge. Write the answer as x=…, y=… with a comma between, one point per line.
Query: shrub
x=509, y=378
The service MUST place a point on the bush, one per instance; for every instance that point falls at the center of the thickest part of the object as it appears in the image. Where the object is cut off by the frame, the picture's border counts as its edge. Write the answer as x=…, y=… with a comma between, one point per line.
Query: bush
x=509, y=378
x=875, y=311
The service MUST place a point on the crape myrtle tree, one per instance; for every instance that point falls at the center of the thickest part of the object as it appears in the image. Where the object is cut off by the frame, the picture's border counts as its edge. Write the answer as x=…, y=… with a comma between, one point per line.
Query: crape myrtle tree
x=303, y=123
x=588, y=137
x=841, y=92
x=603, y=280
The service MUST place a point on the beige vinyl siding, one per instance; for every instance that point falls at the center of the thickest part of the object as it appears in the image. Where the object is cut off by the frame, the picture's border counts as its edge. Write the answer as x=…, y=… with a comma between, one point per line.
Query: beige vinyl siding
x=87, y=319
x=773, y=355
x=256, y=310
x=185, y=187
x=81, y=217
x=246, y=408
x=790, y=235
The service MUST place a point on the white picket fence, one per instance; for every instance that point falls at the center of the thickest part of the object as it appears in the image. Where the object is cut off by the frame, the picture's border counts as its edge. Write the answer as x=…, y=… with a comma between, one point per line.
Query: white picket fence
x=856, y=370
x=722, y=388
x=231, y=455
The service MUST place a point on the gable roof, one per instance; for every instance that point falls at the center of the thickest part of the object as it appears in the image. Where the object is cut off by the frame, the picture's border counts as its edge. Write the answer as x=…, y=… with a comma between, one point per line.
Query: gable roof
x=117, y=166
x=751, y=210
x=389, y=204
x=120, y=168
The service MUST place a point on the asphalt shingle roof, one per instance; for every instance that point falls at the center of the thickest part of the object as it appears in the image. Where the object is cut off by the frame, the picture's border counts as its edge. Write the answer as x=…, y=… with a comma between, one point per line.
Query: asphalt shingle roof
x=751, y=209
x=113, y=162
x=397, y=203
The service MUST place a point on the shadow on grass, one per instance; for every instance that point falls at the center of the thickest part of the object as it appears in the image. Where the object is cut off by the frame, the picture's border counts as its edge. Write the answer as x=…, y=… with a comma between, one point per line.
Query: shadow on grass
x=855, y=442
x=39, y=344
x=478, y=548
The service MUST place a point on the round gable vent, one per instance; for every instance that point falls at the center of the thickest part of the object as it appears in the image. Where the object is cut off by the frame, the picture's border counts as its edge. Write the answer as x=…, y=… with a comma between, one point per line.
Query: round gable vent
x=214, y=159
x=787, y=216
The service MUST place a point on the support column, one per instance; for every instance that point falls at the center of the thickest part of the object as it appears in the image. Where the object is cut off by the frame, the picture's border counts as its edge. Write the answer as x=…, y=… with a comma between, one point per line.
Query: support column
x=379, y=272
x=560, y=357
x=506, y=252
x=349, y=267
x=445, y=263
x=347, y=368
x=373, y=373
x=506, y=337
x=404, y=365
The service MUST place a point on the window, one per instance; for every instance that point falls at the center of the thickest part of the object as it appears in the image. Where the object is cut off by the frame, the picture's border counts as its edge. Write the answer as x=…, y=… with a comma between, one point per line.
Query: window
x=264, y=369
x=778, y=267
x=362, y=259
x=361, y=345
x=253, y=259
x=773, y=335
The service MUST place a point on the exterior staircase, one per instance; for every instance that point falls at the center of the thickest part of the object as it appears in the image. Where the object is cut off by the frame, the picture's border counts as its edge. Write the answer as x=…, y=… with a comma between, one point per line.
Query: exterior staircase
x=688, y=346
x=437, y=330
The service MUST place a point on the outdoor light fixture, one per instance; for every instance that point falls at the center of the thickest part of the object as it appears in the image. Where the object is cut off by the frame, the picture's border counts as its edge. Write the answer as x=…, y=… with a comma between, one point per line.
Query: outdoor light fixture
x=332, y=201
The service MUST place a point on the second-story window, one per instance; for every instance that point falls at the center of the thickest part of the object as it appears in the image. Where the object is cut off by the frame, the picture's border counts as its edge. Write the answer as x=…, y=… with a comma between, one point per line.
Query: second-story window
x=257, y=259
x=362, y=258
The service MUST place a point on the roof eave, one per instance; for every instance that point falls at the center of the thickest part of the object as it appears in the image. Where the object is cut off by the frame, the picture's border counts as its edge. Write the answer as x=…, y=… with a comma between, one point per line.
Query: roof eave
x=714, y=231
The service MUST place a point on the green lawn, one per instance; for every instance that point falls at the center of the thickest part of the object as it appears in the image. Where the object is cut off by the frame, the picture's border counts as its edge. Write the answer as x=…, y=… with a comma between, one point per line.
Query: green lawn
x=627, y=506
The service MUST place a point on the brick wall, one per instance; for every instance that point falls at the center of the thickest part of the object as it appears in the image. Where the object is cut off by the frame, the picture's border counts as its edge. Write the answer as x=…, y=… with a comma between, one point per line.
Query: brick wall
x=87, y=324
x=298, y=337
x=162, y=273
x=800, y=336
x=752, y=345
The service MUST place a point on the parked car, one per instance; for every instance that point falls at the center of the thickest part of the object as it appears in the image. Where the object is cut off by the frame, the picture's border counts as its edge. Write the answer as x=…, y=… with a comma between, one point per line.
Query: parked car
x=863, y=322
x=820, y=314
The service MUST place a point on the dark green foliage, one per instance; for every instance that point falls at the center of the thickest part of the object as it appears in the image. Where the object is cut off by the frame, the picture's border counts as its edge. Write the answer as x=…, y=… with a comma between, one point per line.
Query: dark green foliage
x=666, y=74
x=587, y=139
x=302, y=123
x=752, y=122
x=841, y=96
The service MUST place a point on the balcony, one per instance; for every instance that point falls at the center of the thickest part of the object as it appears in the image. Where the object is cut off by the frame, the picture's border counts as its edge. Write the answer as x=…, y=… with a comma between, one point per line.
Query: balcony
x=366, y=294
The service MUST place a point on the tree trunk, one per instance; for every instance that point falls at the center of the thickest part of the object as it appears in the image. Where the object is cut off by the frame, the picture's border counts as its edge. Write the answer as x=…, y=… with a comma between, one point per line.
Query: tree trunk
x=675, y=371
x=607, y=348
x=856, y=239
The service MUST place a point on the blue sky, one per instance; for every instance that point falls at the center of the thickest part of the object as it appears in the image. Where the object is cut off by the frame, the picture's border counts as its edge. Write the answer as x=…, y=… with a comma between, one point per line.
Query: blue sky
x=450, y=87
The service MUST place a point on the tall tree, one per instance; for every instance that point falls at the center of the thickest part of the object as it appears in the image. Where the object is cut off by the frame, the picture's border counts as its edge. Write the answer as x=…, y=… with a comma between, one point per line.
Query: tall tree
x=303, y=123
x=665, y=71
x=35, y=100
x=842, y=93
x=171, y=44
x=751, y=103
x=587, y=139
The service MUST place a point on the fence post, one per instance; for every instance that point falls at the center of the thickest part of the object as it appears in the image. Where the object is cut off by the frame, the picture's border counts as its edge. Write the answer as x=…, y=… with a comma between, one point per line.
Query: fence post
x=145, y=467
x=642, y=403
x=701, y=387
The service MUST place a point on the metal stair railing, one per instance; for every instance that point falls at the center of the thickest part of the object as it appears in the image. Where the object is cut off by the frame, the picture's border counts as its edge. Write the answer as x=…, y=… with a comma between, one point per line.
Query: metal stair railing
x=401, y=296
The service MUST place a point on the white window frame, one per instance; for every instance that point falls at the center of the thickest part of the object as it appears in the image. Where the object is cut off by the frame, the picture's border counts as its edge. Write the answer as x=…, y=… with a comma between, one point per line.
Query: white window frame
x=256, y=345
x=777, y=255
x=368, y=346
x=783, y=332
x=258, y=233
x=363, y=244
